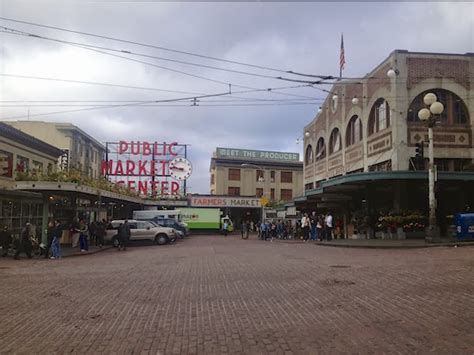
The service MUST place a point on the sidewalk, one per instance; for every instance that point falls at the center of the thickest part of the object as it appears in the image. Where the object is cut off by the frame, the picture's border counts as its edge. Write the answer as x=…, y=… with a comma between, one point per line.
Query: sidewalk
x=67, y=251
x=391, y=244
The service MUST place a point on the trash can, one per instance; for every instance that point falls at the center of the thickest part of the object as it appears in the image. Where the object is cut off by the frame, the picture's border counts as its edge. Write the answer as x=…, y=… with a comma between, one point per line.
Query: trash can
x=464, y=226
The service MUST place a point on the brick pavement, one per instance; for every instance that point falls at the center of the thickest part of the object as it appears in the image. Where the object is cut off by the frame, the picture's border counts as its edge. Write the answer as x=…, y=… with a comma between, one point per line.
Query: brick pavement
x=209, y=295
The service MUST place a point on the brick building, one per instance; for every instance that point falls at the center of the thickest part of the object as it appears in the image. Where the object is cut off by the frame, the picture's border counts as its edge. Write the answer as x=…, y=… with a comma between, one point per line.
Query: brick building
x=360, y=149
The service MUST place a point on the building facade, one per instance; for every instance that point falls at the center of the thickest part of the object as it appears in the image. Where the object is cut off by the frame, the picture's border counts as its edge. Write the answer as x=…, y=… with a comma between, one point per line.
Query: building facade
x=361, y=148
x=241, y=172
x=21, y=153
x=80, y=151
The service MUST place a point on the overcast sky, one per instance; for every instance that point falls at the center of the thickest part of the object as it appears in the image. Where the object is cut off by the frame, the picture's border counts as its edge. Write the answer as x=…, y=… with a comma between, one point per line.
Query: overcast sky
x=303, y=37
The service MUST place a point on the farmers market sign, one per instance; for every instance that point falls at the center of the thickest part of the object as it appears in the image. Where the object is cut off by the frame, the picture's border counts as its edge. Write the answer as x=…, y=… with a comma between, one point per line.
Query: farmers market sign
x=210, y=201
x=247, y=154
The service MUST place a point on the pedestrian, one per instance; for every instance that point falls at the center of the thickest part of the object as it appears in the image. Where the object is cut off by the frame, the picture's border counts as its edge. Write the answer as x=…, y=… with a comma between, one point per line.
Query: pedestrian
x=329, y=226
x=101, y=233
x=264, y=230
x=5, y=240
x=313, y=229
x=75, y=232
x=319, y=228
x=123, y=235
x=245, y=230
x=83, y=236
x=49, y=239
x=273, y=231
x=93, y=233
x=225, y=228
x=252, y=226
x=24, y=243
x=305, y=226
x=55, y=243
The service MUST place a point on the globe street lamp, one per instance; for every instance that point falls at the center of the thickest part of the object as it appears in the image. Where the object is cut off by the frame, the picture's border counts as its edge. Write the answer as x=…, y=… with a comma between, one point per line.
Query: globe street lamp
x=429, y=114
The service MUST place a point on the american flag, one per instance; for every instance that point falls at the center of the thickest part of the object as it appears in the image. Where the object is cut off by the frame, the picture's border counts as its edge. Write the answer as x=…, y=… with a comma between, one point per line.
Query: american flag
x=342, y=59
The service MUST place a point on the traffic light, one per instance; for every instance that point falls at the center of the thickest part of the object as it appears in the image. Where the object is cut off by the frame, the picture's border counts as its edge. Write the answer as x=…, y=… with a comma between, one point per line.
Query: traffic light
x=419, y=150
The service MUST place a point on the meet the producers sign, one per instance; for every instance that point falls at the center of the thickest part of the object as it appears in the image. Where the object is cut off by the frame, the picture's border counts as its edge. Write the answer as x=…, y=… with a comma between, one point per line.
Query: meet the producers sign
x=201, y=218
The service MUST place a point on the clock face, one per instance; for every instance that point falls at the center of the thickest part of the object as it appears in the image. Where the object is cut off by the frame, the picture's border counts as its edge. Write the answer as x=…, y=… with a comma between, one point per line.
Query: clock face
x=180, y=168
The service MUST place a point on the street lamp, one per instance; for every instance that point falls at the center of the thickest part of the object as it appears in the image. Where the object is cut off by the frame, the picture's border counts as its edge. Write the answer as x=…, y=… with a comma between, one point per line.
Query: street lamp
x=260, y=179
x=433, y=109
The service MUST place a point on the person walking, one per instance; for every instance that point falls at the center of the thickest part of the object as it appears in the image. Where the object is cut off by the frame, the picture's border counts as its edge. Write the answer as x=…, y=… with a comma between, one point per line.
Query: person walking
x=101, y=233
x=123, y=235
x=57, y=233
x=75, y=232
x=305, y=226
x=24, y=244
x=49, y=239
x=245, y=230
x=5, y=240
x=83, y=236
x=225, y=228
x=312, y=225
x=319, y=228
x=329, y=226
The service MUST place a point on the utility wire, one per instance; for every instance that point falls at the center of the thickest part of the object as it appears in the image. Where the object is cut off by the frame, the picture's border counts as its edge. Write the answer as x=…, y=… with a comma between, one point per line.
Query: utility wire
x=80, y=44
x=115, y=106
x=152, y=46
x=21, y=33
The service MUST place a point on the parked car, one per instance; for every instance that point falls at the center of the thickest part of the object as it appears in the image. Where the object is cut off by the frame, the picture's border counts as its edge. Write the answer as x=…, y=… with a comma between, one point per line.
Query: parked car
x=172, y=223
x=141, y=230
x=179, y=234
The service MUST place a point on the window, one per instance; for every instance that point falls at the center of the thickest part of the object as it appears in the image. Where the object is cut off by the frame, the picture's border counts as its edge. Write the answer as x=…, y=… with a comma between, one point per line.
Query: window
x=309, y=186
x=455, y=111
x=354, y=131
x=234, y=191
x=272, y=194
x=286, y=176
x=335, y=144
x=37, y=167
x=383, y=166
x=260, y=177
x=234, y=174
x=22, y=164
x=320, y=149
x=6, y=164
x=286, y=194
x=213, y=179
x=272, y=176
x=259, y=192
x=379, y=117
x=308, y=157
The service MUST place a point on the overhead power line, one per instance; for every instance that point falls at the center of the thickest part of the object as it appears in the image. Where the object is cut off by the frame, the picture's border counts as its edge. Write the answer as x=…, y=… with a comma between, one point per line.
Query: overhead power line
x=90, y=48
x=262, y=67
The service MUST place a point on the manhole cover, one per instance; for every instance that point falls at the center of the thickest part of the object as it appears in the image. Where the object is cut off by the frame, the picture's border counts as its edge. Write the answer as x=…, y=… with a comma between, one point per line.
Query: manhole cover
x=340, y=266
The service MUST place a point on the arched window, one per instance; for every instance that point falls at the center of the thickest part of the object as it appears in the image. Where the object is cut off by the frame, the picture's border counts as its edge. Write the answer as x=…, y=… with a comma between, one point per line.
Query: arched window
x=335, y=143
x=379, y=117
x=320, y=149
x=309, y=155
x=354, y=131
x=455, y=110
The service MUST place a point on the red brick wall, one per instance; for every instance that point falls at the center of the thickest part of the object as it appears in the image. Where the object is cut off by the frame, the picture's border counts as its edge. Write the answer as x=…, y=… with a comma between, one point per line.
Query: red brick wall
x=420, y=69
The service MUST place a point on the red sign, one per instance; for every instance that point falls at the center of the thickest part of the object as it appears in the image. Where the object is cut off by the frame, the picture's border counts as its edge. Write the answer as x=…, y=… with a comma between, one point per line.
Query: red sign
x=143, y=166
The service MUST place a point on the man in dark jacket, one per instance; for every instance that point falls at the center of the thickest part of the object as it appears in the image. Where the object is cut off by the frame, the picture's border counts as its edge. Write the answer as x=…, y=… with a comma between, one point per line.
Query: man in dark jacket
x=123, y=235
x=24, y=243
x=5, y=240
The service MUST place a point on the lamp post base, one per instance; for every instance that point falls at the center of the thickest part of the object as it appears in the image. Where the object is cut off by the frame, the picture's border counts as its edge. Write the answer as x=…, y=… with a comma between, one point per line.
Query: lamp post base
x=433, y=234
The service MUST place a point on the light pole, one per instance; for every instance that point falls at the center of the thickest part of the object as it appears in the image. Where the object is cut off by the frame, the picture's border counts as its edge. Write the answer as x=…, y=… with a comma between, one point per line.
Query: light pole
x=260, y=179
x=433, y=109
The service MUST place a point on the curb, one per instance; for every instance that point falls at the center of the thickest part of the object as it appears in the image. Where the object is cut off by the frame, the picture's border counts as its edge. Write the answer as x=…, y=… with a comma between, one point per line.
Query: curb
x=460, y=244
x=89, y=252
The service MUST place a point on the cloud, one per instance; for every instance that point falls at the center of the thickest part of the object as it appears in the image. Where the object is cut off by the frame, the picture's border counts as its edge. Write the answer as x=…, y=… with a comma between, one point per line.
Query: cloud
x=302, y=37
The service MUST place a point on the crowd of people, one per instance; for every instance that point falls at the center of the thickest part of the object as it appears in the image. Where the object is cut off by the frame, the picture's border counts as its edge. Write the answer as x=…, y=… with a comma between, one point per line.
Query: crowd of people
x=27, y=242
x=309, y=227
